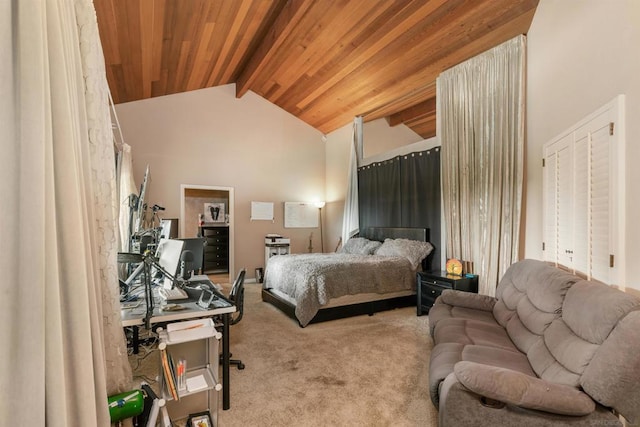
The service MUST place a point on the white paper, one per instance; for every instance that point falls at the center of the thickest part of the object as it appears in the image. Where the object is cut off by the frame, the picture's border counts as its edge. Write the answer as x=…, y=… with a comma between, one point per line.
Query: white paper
x=301, y=215
x=196, y=383
x=262, y=211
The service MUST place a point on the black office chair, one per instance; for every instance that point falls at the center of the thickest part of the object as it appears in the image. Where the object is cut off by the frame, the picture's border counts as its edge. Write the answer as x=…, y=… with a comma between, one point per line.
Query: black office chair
x=236, y=296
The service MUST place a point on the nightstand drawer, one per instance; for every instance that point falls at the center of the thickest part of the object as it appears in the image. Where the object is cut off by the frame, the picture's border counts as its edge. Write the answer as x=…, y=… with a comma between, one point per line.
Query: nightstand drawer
x=432, y=291
x=436, y=283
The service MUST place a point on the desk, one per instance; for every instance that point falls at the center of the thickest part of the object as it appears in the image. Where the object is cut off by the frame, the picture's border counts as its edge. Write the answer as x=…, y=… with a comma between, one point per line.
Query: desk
x=135, y=318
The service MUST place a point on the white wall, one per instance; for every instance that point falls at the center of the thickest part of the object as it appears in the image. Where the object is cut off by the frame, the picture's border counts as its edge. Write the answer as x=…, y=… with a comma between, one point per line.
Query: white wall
x=581, y=54
x=379, y=137
x=208, y=137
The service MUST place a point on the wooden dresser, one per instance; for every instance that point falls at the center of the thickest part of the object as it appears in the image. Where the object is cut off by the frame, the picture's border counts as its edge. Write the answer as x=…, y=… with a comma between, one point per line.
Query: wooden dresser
x=216, y=249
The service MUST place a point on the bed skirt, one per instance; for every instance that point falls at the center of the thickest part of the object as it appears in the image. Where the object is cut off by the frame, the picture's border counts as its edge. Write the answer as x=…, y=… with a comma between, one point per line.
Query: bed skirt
x=334, y=312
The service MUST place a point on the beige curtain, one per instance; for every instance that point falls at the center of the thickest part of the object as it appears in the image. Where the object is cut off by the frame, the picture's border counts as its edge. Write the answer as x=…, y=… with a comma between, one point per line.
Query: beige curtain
x=126, y=187
x=481, y=128
x=63, y=349
x=351, y=217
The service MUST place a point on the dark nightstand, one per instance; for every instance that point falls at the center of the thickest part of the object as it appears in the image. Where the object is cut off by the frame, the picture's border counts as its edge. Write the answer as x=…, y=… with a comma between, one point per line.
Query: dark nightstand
x=430, y=285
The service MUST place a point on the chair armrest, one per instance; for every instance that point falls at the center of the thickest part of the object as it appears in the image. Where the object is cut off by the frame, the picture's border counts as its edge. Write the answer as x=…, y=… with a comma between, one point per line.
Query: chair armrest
x=466, y=300
x=522, y=390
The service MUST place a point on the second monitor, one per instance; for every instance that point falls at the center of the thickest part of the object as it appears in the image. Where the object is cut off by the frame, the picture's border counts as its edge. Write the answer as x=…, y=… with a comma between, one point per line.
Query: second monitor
x=196, y=246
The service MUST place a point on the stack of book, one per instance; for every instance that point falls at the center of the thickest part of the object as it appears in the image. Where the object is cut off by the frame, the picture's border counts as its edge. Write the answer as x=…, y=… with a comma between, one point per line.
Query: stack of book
x=174, y=374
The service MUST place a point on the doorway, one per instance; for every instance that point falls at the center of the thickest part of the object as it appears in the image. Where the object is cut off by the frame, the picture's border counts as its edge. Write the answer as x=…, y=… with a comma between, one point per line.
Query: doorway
x=214, y=205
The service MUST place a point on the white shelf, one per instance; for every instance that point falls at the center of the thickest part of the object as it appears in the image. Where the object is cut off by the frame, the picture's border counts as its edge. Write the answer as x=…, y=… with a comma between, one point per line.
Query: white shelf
x=184, y=335
x=188, y=331
x=212, y=384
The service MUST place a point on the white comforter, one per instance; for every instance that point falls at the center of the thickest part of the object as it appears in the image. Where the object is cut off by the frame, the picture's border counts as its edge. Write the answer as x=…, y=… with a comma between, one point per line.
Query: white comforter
x=313, y=279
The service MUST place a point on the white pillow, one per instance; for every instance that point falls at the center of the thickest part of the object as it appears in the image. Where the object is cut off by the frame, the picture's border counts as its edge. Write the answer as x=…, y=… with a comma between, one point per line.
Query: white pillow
x=360, y=246
x=413, y=250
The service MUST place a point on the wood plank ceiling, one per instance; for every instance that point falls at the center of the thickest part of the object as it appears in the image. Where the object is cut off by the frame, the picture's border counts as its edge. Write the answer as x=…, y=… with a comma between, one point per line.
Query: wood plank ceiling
x=324, y=61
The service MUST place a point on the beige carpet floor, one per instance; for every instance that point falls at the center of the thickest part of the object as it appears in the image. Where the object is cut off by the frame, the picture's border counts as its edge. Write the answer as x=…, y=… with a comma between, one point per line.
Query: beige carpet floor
x=360, y=371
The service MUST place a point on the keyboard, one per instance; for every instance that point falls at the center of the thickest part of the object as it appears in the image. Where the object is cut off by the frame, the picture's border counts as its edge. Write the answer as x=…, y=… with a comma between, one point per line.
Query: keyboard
x=173, y=294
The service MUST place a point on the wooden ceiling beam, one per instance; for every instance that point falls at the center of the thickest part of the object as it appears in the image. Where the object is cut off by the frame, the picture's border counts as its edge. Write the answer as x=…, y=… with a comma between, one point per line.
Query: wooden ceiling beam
x=246, y=38
x=233, y=32
x=416, y=96
x=286, y=21
x=425, y=127
x=426, y=108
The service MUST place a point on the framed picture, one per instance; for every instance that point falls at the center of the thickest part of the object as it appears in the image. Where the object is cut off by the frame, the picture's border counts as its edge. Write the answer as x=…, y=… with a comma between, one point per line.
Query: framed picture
x=201, y=419
x=214, y=212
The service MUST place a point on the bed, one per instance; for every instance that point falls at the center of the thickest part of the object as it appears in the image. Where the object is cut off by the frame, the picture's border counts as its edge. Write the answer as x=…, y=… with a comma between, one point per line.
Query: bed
x=375, y=271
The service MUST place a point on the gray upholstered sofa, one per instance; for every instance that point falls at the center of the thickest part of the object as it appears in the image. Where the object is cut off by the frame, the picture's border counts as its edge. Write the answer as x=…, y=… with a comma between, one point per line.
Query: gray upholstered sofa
x=551, y=349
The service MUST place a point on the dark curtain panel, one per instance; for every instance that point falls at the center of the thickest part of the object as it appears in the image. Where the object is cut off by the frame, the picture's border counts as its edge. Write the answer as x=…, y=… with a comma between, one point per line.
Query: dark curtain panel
x=379, y=194
x=366, y=195
x=403, y=192
x=388, y=194
x=420, y=190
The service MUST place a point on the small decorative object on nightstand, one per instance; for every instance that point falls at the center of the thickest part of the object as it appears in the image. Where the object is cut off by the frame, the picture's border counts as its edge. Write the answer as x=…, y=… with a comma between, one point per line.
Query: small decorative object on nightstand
x=454, y=266
x=430, y=285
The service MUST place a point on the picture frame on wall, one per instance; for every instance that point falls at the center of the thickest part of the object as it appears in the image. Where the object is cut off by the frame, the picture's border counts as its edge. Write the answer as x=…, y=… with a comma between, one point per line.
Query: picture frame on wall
x=200, y=419
x=214, y=212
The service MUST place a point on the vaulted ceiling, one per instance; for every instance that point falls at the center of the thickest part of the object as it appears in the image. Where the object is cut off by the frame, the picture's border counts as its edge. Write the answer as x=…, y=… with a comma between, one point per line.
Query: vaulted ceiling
x=324, y=61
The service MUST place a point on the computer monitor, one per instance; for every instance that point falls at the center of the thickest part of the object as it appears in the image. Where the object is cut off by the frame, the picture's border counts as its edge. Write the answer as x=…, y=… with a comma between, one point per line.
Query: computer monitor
x=138, y=225
x=169, y=228
x=196, y=246
x=168, y=254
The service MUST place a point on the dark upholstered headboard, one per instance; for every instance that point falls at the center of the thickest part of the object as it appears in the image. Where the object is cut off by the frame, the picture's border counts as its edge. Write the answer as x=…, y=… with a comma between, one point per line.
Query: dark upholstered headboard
x=381, y=233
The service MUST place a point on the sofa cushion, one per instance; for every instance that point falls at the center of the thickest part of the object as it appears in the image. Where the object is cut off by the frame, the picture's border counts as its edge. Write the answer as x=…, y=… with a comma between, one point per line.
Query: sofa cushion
x=592, y=309
x=589, y=312
x=613, y=376
x=537, y=292
x=512, y=286
x=462, y=305
x=465, y=331
x=548, y=367
x=461, y=407
x=570, y=350
x=459, y=299
x=492, y=356
x=445, y=356
x=441, y=362
x=534, y=290
x=516, y=388
x=454, y=312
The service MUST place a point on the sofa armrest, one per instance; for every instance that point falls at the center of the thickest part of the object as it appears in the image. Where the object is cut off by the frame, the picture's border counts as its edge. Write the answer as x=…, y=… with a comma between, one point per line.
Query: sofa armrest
x=522, y=390
x=466, y=300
